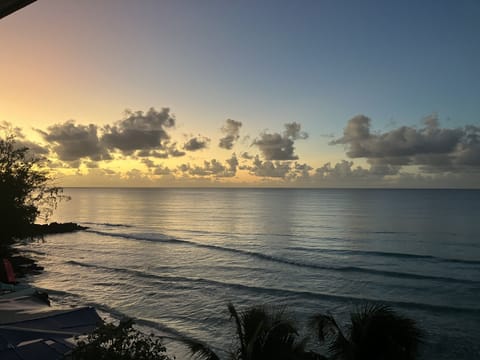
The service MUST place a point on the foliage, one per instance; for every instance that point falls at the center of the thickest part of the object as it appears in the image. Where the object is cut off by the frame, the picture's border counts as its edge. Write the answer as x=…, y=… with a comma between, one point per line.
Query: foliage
x=375, y=332
x=25, y=192
x=122, y=342
x=261, y=333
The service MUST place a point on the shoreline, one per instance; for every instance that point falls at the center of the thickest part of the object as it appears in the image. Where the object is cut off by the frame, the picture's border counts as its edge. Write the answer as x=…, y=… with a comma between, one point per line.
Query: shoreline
x=22, y=264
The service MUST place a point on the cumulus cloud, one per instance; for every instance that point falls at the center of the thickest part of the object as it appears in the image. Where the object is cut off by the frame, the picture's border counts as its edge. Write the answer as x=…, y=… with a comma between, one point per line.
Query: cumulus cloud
x=91, y=164
x=346, y=170
x=71, y=141
x=247, y=156
x=233, y=164
x=33, y=147
x=293, y=131
x=21, y=141
x=280, y=146
x=148, y=163
x=432, y=147
x=302, y=170
x=139, y=131
x=196, y=143
x=268, y=168
x=162, y=171
x=169, y=150
x=212, y=168
x=157, y=169
x=151, y=153
x=231, y=129
x=173, y=151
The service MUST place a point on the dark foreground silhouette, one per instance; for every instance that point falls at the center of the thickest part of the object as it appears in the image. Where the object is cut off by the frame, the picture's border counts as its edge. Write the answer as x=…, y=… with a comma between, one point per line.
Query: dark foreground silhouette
x=38, y=230
x=375, y=332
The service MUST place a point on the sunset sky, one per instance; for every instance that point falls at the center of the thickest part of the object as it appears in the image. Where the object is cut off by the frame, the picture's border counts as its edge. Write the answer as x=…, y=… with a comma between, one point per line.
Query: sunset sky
x=246, y=93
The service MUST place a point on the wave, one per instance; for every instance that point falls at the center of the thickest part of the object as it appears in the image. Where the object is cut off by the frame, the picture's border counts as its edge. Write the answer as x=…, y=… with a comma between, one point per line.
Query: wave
x=144, y=237
x=345, y=269
x=108, y=224
x=283, y=292
x=162, y=330
x=114, y=313
x=388, y=254
x=32, y=251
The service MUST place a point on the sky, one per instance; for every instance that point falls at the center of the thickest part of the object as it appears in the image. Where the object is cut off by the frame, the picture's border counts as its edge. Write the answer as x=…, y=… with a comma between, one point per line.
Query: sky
x=246, y=93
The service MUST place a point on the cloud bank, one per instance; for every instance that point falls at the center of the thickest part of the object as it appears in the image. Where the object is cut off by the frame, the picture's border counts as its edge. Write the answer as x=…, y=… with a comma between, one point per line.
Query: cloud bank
x=426, y=156
x=433, y=148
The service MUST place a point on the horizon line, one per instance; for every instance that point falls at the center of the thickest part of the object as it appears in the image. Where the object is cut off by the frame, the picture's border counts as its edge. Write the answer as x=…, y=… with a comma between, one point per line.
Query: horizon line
x=268, y=188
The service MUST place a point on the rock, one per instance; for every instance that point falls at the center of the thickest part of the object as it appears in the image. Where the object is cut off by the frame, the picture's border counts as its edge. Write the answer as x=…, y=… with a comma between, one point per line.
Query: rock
x=56, y=228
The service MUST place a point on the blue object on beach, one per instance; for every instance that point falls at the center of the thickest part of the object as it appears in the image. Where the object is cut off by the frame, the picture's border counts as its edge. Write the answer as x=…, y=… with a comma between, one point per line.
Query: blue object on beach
x=46, y=337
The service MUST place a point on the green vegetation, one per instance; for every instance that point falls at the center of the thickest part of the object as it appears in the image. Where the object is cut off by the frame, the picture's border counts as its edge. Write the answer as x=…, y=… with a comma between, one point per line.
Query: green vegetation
x=26, y=192
x=376, y=332
x=261, y=333
x=122, y=342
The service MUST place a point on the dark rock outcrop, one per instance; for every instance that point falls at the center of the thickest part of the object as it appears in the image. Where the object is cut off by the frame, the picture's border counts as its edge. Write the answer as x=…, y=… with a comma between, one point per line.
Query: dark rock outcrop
x=55, y=228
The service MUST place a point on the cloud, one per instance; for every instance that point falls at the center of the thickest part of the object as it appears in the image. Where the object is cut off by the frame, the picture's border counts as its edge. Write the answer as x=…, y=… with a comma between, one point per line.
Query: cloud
x=246, y=155
x=346, y=170
x=91, y=164
x=231, y=129
x=172, y=150
x=33, y=147
x=293, y=131
x=148, y=163
x=163, y=171
x=157, y=169
x=212, y=168
x=268, y=168
x=139, y=131
x=233, y=164
x=169, y=150
x=151, y=153
x=345, y=174
x=21, y=141
x=196, y=143
x=280, y=146
x=72, y=142
x=302, y=170
x=432, y=147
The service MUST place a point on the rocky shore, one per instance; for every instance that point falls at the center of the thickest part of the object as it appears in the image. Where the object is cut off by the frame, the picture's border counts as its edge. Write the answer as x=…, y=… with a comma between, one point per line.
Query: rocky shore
x=22, y=264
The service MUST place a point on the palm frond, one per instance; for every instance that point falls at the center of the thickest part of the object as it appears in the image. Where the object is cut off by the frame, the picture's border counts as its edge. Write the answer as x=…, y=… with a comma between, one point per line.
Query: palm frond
x=238, y=323
x=378, y=329
x=324, y=325
x=200, y=350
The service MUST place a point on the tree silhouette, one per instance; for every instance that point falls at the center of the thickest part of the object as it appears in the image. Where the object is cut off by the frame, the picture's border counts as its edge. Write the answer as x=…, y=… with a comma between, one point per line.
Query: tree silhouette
x=119, y=342
x=376, y=332
x=261, y=333
x=25, y=192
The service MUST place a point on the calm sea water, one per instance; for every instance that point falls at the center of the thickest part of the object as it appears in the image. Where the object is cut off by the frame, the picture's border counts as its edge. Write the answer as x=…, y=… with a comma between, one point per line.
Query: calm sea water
x=173, y=258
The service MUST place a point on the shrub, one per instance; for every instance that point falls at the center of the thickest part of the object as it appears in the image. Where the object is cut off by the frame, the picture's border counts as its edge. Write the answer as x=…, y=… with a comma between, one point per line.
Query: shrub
x=119, y=342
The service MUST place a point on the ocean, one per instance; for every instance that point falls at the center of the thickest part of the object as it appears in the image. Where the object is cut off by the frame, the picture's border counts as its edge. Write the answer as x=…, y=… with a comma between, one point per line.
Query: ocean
x=174, y=258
